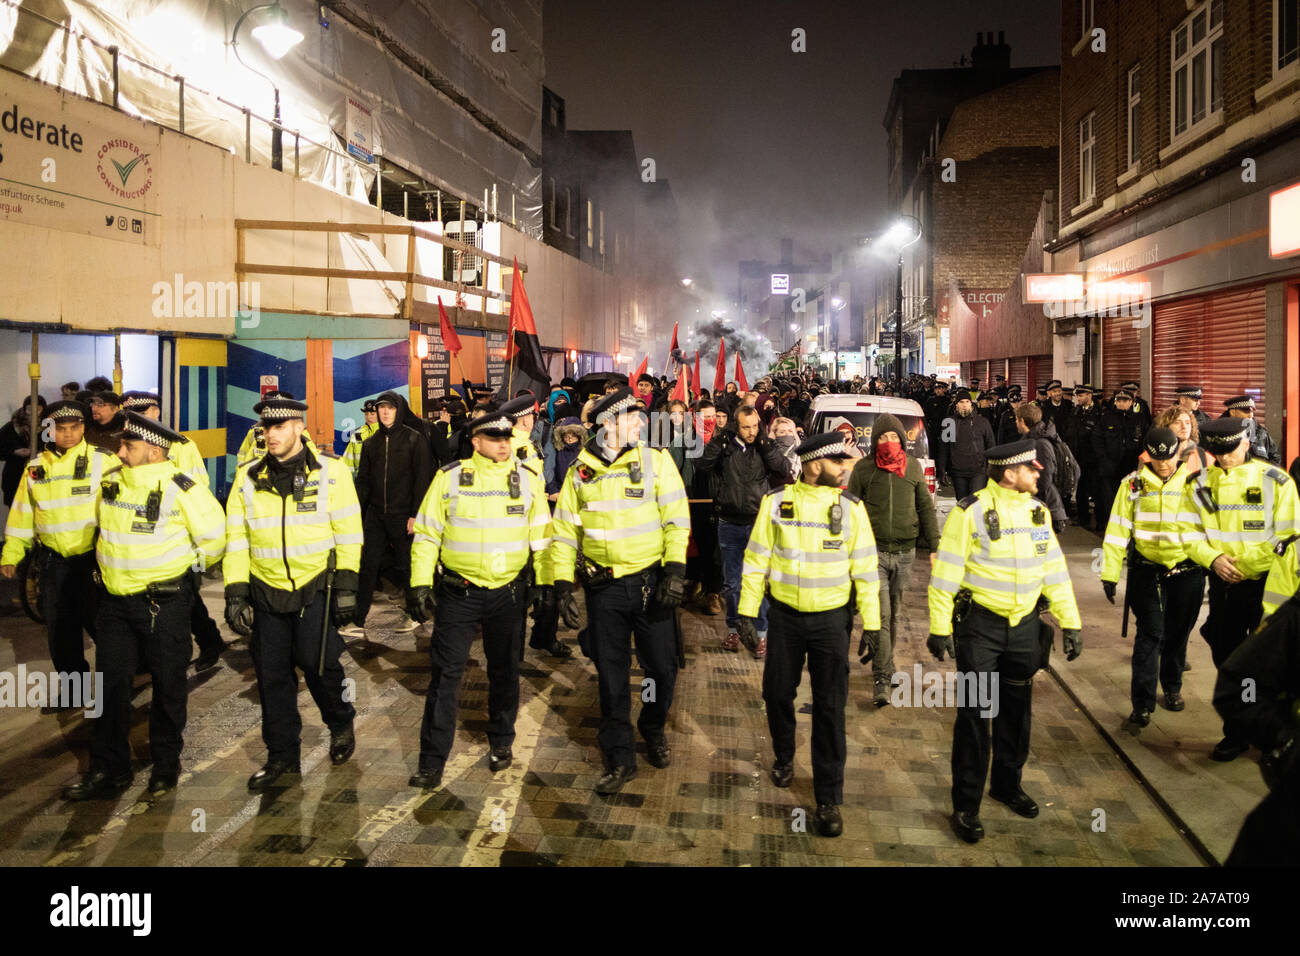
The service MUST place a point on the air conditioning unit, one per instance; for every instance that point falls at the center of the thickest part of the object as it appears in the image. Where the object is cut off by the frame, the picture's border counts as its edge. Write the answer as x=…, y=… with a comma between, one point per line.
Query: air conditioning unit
x=460, y=266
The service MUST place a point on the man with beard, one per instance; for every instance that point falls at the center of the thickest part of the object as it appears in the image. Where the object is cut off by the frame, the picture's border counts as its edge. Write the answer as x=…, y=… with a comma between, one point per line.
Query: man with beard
x=963, y=441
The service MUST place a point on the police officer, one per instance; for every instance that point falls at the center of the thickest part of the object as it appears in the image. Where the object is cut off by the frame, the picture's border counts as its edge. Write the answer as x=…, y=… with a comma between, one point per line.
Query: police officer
x=997, y=555
x=1165, y=585
x=1056, y=409
x=1232, y=521
x=186, y=456
x=1079, y=426
x=1141, y=409
x=294, y=527
x=155, y=524
x=1116, y=444
x=54, y=509
x=1262, y=445
x=480, y=522
x=352, y=454
x=522, y=412
x=622, y=523
x=254, y=443
x=1006, y=428
x=1189, y=400
x=1269, y=719
x=812, y=546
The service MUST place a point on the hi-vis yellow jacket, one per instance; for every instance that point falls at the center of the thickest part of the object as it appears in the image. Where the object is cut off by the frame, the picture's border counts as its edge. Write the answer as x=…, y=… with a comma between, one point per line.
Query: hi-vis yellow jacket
x=58, y=507
x=1250, y=508
x=1149, y=511
x=626, y=515
x=1005, y=575
x=136, y=547
x=1283, y=577
x=808, y=563
x=285, y=542
x=352, y=454
x=482, y=524
x=187, y=458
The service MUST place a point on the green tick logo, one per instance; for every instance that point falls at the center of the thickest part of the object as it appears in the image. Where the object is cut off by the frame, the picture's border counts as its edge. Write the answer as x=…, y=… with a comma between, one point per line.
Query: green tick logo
x=121, y=162
x=124, y=172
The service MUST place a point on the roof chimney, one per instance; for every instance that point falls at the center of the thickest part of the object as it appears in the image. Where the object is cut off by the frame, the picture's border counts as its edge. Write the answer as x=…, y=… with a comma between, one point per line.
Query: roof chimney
x=991, y=56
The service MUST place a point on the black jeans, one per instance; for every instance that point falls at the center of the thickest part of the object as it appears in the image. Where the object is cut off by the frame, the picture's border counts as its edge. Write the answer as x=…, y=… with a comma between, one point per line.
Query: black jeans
x=966, y=485
x=384, y=537
x=823, y=638
x=1235, y=610
x=1165, y=613
x=458, y=618
x=617, y=613
x=281, y=643
x=127, y=627
x=706, y=566
x=987, y=644
x=68, y=598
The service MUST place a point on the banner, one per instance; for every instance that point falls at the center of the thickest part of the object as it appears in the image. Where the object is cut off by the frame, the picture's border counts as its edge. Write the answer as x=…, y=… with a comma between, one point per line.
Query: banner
x=435, y=368
x=77, y=176
x=496, y=359
x=359, y=131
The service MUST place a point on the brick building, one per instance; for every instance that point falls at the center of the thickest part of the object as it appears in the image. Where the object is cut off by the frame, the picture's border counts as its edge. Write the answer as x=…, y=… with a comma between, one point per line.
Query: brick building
x=1177, y=121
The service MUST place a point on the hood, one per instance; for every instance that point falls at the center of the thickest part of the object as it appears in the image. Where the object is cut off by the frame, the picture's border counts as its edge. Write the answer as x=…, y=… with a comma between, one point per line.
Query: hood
x=889, y=423
x=404, y=414
x=568, y=426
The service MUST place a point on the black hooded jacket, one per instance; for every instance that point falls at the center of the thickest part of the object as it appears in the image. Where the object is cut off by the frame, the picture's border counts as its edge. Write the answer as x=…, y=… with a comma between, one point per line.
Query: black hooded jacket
x=396, y=466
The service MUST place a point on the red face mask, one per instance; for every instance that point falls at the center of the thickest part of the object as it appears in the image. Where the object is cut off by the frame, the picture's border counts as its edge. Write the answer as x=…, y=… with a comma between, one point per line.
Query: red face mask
x=891, y=457
x=704, y=427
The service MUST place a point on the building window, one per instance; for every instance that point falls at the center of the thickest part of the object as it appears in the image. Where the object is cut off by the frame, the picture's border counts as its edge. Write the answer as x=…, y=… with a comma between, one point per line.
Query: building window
x=589, y=224
x=1135, y=116
x=1087, y=160
x=568, y=213
x=602, y=232
x=555, y=223
x=1086, y=20
x=1286, y=33
x=1197, y=60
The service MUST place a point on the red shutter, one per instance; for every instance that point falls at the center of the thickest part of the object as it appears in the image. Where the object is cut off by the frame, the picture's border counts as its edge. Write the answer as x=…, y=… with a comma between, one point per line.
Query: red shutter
x=1215, y=341
x=1038, y=371
x=1019, y=373
x=1121, y=352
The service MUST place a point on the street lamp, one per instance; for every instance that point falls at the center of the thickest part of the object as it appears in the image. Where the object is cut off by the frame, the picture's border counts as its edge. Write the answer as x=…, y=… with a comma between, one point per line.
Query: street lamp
x=900, y=236
x=686, y=281
x=277, y=39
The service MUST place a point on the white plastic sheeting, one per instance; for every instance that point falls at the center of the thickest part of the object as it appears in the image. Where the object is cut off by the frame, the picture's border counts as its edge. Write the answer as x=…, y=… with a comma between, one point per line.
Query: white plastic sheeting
x=415, y=125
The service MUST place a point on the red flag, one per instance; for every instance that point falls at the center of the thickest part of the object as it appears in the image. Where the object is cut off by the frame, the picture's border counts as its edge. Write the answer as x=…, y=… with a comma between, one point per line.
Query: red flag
x=673, y=348
x=695, y=379
x=632, y=379
x=720, y=377
x=680, y=389
x=740, y=376
x=523, y=346
x=450, y=340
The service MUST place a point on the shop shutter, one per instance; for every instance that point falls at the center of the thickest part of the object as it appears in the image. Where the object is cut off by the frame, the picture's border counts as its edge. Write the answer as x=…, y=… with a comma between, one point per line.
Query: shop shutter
x=1121, y=352
x=1038, y=371
x=1019, y=373
x=1215, y=341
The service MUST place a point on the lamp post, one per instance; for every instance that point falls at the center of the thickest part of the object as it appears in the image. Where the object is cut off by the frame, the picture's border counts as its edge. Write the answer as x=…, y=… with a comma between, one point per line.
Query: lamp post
x=277, y=38
x=898, y=236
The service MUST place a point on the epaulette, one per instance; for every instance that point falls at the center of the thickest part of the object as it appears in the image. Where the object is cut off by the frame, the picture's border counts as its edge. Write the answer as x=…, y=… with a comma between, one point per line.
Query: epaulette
x=1279, y=476
x=115, y=468
x=181, y=440
x=851, y=499
x=183, y=481
x=966, y=502
x=1038, y=501
x=528, y=468
x=452, y=465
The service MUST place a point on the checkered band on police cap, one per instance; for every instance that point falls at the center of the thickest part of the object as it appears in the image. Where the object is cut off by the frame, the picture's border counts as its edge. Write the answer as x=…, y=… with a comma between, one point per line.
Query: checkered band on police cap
x=1188, y=391
x=1013, y=453
x=613, y=404
x=518, y=407
x=67, y=411
x=281, y=410
x=1242, y=402
x=139, y=401
x=832, y=444
x=139, y=428
x=496, y=423
x=1222, y=435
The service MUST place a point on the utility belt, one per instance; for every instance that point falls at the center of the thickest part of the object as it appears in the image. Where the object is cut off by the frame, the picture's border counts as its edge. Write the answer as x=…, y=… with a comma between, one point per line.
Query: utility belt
x=462, y=586
x=1136, y=560
x=154, y=591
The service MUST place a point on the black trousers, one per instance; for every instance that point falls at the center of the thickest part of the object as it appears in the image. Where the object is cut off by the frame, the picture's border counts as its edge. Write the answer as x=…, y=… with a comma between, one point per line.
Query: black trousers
x=706, y=566
x=1270, y=834
x=68, y=598
x=966, y=485
x=546, y=624
x=1165, y=612
x=385, y=537
x=987, y=644
x=459, y=617
x=821, y=637
x=616, y=614
x=204, y=629
x=281, y=643
x=1235, y=610
x=1105, y=488
x=127, y=627
x=1085, y=504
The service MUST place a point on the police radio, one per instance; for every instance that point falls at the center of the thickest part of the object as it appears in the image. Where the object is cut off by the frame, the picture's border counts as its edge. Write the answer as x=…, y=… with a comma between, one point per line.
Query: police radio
x=37, y=472
x=634, y=471
x=513, y=483
x=992, y=525
x=299, y=485
x=1038, y=515
x=81, y=468
x=837, y=518
x=1206, y=498
x=153, y=505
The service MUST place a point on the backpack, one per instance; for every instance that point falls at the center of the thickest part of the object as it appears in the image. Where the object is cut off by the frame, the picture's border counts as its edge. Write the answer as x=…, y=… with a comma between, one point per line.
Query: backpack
x=1066, y=475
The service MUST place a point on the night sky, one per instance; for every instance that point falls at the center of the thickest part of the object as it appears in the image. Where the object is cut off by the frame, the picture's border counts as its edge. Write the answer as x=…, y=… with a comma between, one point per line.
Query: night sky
x=759, y=142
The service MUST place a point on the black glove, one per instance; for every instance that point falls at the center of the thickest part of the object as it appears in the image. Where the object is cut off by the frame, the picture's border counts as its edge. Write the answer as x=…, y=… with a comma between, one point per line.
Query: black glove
x=867, y=646
x=420, y=603
x=938, y=645
x=345, y=607
x=239, y=612
x=568, y=605
x=748, y=632
x=1274, y=764
x=1109, y=588
x=542, y=595
x=1072, y=641
x=672, y=586
x=1058, y=525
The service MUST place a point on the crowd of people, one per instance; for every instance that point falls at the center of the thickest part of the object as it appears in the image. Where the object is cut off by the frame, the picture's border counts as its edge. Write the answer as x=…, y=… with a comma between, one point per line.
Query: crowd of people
x=646, y=497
